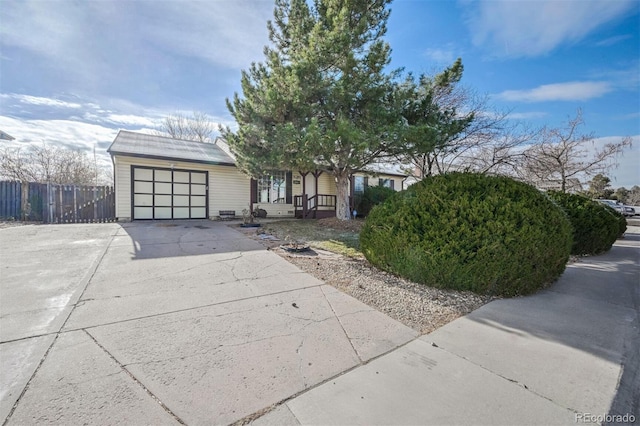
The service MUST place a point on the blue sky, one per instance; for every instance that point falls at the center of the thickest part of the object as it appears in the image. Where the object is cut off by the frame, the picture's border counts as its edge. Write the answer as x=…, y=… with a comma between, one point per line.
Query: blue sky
x=74, y=72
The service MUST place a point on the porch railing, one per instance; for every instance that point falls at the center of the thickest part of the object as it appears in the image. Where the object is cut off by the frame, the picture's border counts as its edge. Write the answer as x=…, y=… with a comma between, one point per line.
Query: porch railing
x=308, y=207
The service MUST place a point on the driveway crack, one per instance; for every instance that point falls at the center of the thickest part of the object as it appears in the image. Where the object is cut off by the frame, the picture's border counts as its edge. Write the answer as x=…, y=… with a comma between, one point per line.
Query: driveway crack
x=342, y=326
x=138, y=382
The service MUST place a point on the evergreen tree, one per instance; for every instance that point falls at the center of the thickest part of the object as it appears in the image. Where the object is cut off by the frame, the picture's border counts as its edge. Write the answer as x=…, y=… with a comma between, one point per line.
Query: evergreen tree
x=322, y=99
x=600, y=187
x=433, y=122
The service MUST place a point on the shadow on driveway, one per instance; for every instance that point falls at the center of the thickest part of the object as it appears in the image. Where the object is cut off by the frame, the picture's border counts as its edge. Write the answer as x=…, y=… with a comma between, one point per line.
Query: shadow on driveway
x=157, y=239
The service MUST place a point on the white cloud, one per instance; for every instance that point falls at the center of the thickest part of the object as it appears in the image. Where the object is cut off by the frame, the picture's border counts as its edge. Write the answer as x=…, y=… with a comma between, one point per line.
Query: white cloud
x=126, y=120
x=441, y=56
x=613, y=40
x=90, y=39
x=571, y=91
x=40, y=101
x=66, y=133
x=626, y=77
x=527, y=115
x=225, y=33
x=535, y=27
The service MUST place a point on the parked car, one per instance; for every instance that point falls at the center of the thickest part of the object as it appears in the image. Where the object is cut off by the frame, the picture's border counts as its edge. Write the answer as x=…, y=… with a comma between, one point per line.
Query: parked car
x=619, y=207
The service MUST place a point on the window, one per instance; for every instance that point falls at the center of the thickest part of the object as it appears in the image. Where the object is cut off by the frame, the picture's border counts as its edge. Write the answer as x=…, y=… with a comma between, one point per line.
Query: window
x=358, y=184
x=272, y=188
x=388, y=183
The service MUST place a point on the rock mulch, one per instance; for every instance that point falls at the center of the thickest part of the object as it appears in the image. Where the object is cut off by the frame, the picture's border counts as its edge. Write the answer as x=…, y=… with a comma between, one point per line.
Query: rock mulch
x=417, y=306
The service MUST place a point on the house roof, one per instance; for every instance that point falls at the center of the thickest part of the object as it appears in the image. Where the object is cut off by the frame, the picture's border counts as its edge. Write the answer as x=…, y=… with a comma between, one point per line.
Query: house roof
x=164, y=148
x=6, y=136
x=385, y=169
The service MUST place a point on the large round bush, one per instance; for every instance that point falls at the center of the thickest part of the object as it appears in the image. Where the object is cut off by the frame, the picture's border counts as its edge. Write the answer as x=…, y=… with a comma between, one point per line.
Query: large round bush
x=595, y=229
x=491, y=235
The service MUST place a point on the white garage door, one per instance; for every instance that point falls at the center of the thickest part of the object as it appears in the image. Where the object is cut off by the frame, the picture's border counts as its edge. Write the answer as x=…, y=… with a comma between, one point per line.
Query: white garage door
x=169, y=194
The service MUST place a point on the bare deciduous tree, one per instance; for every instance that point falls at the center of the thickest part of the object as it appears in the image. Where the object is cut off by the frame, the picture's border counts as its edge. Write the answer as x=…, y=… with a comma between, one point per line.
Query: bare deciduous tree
x=563, y=154
x=483, y=142
x=48, y=163
x=197, y=127
x=633, y=196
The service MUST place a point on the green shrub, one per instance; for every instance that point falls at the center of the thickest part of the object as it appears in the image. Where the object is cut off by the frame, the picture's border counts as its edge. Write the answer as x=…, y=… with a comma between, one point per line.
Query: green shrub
x=595, y=226
x=620, y=219
x=372, y=196
x=490, y=235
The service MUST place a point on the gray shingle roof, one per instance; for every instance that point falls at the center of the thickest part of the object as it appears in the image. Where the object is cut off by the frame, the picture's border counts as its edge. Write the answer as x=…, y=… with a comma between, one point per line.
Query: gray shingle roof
x=160, y=147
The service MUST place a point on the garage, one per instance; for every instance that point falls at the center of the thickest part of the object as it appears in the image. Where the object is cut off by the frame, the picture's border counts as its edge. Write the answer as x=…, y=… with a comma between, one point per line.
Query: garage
x=169, y=194
x=162, y=178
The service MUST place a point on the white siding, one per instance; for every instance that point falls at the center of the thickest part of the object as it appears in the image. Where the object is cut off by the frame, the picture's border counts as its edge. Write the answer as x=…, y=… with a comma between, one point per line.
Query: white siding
x=276, y=209
x=327, y=184
x=229, y=188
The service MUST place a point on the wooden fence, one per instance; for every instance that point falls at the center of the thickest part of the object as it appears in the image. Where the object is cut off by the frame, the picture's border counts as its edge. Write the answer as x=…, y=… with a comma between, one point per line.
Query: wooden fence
x=50, y=203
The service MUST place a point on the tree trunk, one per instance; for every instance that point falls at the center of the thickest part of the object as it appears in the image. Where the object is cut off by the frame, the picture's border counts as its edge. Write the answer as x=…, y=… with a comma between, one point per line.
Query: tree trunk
x=342, y=199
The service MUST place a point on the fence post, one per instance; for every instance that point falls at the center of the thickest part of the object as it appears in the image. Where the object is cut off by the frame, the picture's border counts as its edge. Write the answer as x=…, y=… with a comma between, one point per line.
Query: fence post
x=49, y=203
x=26, y=207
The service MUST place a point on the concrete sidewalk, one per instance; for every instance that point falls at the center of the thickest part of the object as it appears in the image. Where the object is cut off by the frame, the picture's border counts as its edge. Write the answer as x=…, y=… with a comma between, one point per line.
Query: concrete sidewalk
x=566, y=355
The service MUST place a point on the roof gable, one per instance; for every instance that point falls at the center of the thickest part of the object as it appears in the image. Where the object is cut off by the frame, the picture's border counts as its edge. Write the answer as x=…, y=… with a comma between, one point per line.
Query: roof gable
x=160, y=147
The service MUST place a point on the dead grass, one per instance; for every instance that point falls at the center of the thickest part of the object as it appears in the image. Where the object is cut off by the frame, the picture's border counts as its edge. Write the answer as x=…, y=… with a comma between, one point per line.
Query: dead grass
x=328, y=234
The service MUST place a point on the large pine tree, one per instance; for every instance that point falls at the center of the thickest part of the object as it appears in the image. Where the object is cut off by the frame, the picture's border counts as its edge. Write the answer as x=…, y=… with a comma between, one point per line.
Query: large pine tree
x=322, y=98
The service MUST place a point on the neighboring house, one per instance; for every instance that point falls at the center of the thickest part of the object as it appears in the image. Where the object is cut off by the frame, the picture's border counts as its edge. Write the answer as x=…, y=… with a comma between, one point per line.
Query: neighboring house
x=158, y=177
x=572, y=185
x=6, y=136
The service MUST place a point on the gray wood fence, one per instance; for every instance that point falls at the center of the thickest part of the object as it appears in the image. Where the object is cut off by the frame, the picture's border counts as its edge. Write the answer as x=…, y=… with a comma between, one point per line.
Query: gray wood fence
x=50, y=203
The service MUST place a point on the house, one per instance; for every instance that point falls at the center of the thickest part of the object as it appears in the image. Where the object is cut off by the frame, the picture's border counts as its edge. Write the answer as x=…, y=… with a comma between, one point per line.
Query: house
x=158, y=177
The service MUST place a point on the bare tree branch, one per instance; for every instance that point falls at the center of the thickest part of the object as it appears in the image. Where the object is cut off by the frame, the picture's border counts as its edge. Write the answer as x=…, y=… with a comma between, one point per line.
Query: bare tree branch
x=197, y=127
x=561, y=155
x=48, y=163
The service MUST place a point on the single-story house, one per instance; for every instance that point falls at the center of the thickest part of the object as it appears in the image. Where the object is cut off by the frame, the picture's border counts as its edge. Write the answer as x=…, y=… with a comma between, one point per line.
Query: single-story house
x=159, y=177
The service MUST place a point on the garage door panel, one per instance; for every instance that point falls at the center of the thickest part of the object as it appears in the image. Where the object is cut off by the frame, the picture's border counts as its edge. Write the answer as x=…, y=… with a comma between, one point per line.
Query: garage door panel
x=181, y=212
x=181, y=188
x=144, y=187
x=198, y=213
x=143, y=212
x=181, y=201
x=162, y=176
x=198, y=190
x=162, y=200
x=162, y=188
x=181, y=177
x=199, y=178
x=198, y=201
x=143, y=200
x=143, y=174
x=162, y=212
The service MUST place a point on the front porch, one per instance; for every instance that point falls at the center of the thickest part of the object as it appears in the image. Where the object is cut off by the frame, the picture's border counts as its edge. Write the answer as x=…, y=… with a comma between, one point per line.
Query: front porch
x=317, y=206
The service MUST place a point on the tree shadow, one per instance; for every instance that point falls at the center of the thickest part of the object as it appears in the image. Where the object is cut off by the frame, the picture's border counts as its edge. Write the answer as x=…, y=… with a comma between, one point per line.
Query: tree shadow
x=174, y=238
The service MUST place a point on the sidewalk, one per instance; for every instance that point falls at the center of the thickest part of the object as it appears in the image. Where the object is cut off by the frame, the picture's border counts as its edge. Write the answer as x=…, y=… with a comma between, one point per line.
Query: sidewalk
x=566, y=355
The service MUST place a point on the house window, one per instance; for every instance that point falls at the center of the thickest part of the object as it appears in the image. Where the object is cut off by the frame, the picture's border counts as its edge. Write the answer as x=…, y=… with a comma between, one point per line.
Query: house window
x=272, y=188
x=358, y=184
x=387, y=183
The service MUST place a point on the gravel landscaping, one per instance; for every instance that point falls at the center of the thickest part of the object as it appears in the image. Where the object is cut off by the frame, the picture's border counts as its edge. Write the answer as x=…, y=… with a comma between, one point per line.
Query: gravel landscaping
x=420, y=307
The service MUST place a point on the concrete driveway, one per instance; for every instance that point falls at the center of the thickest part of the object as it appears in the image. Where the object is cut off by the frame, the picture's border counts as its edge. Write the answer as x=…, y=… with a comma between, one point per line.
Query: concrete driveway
x=165, y=323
